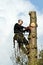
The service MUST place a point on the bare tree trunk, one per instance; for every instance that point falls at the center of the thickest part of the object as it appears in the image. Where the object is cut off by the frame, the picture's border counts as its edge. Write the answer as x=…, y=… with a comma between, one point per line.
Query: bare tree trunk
x=32, y=55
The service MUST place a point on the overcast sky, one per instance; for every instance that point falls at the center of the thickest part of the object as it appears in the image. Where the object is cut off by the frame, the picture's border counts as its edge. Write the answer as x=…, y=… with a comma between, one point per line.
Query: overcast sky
x=10, y=12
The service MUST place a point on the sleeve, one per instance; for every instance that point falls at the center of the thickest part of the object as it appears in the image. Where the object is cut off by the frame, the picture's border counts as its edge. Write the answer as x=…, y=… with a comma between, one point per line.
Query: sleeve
x=19, y=26
x=22, y=26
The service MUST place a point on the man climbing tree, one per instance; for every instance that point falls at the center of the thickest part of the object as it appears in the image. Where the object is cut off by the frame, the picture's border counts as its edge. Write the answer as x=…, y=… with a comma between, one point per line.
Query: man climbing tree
x=18, y=31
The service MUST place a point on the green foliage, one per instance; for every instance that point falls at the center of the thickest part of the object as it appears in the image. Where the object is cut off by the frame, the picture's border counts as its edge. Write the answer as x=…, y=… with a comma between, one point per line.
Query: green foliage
x=41, y=54
x=23, y=49
x=18, y=59
x=40, y=60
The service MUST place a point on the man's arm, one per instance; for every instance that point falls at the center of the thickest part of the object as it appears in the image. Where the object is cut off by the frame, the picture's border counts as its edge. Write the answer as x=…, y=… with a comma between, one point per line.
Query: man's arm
x=28, y=29
x=18, y=28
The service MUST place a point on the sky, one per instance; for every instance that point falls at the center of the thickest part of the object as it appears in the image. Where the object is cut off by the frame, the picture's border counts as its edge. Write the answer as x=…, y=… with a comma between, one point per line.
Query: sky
x=38, y=4
x=10, y=12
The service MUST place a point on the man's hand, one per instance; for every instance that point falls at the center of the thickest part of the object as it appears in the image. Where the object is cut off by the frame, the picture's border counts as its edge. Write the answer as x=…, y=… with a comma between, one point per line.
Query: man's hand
x=28, y=28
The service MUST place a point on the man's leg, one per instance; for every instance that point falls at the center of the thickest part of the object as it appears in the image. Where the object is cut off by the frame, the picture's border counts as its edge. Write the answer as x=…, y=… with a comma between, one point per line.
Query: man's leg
x=25, y=41
x=22, y=39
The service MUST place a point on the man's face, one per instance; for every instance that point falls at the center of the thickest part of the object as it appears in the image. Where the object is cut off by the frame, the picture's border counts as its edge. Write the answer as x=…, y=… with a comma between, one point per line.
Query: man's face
x=21, y=22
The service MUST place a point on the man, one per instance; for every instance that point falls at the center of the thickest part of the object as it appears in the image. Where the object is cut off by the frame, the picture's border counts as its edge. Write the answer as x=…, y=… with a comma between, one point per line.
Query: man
x=18, y=31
